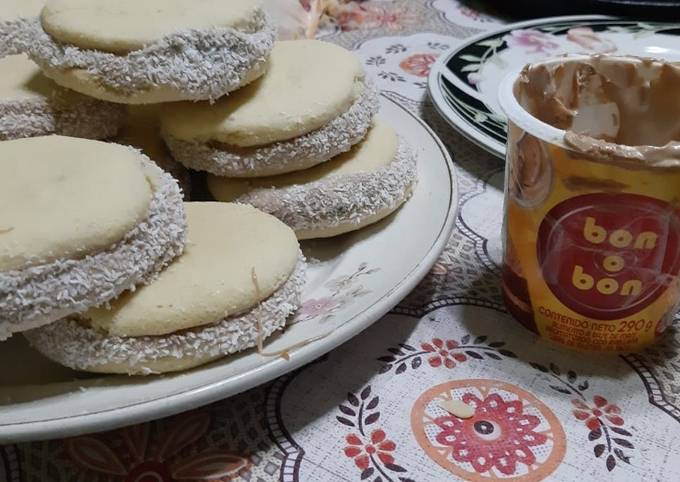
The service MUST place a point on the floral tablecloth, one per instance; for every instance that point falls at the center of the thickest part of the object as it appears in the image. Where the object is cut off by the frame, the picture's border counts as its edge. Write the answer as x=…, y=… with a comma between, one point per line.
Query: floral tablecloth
x=371, y=410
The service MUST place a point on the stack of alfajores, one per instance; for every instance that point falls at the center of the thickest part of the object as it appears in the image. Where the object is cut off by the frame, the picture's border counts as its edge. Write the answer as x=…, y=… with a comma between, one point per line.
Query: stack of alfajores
x=102, y=265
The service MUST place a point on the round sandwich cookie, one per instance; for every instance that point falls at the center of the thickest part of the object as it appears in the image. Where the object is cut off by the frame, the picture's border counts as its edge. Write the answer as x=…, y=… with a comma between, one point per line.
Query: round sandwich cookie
x=33, y=105
x=69, y=239
x=237, y=282
x=349, y=192
x=312, y=104
x=141, y=131
x=150, y=51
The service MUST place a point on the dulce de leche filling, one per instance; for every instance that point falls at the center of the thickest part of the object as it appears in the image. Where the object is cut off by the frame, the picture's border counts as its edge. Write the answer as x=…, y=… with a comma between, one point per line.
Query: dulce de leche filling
x=624, y=109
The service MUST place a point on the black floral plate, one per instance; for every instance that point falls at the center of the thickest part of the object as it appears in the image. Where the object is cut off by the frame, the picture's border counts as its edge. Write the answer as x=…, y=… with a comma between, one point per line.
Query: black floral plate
x=463, y=83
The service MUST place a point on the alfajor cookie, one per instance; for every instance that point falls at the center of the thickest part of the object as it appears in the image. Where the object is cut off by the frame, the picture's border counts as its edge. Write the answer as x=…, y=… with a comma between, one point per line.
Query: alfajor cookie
x=32, y=105
x=151, y=51
x=312, y=104
x=349, y=192
x=80, y=222
x=237, y=282
x=141, y=131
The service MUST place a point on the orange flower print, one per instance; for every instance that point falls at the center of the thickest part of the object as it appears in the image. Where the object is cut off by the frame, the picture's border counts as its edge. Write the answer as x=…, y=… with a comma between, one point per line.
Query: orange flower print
x=379, y=446
x=511, y=434
x=498, y=436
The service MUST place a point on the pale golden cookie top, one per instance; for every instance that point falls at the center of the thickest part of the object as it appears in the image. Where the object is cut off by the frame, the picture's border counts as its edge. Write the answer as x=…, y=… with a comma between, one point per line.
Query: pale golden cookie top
x=121, y=26
x=13, y=9
x=308, y=84
x=377, y=150
x=62, y=197
x=21, y=79
x=236, y=256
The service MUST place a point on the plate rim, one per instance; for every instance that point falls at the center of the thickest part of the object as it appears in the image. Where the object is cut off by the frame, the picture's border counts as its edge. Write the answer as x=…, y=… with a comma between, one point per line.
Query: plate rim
x=164, y=406
x=462, y=126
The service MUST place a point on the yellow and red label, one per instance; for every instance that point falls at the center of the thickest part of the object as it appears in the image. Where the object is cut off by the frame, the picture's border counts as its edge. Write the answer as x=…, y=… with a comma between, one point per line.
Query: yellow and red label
x=592, y=261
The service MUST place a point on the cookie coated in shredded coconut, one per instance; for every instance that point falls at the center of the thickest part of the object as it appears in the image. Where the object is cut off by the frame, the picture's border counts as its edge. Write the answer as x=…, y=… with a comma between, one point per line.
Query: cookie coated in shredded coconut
x=81, y=117
x=82, y=348
x=342, y=199
x=41, y=294
x=299, y=153
x=201, y=64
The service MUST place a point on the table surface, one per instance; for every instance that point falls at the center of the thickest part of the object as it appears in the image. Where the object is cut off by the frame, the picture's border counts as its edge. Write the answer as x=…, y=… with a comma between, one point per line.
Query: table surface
x=370, y=409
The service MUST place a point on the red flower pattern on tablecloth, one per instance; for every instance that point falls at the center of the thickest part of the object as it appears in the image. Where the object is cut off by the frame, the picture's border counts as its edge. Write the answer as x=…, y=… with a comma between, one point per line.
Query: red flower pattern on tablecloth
x=499, y=435
x=602, y=419
x=592, y=415
x=510, y=435
x=442, y=354
x=418, y=64
x=147, y=457
x=372, y=453
x=532, y=41
x=378, y=446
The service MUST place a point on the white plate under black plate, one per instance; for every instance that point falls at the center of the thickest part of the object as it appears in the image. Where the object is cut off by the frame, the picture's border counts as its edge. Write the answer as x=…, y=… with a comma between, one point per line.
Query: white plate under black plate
x=463, y=83
x=353, y=281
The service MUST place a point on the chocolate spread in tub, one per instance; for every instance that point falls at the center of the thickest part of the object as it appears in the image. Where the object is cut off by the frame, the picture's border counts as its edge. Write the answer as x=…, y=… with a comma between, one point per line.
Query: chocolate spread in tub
x=592, y=231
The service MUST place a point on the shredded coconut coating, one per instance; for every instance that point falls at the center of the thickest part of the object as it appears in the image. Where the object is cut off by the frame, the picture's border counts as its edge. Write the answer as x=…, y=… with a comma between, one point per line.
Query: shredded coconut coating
x=81, y=117
x=178, y=172
x=82, y=348
x=340, y=200
x=201, y=64
x=299, y=153
x=41, y=294
x=11, y=36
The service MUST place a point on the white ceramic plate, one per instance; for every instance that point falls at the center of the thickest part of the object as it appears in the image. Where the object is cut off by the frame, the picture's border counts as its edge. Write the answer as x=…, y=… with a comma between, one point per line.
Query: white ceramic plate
x=355, y=280
x=463, y=83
